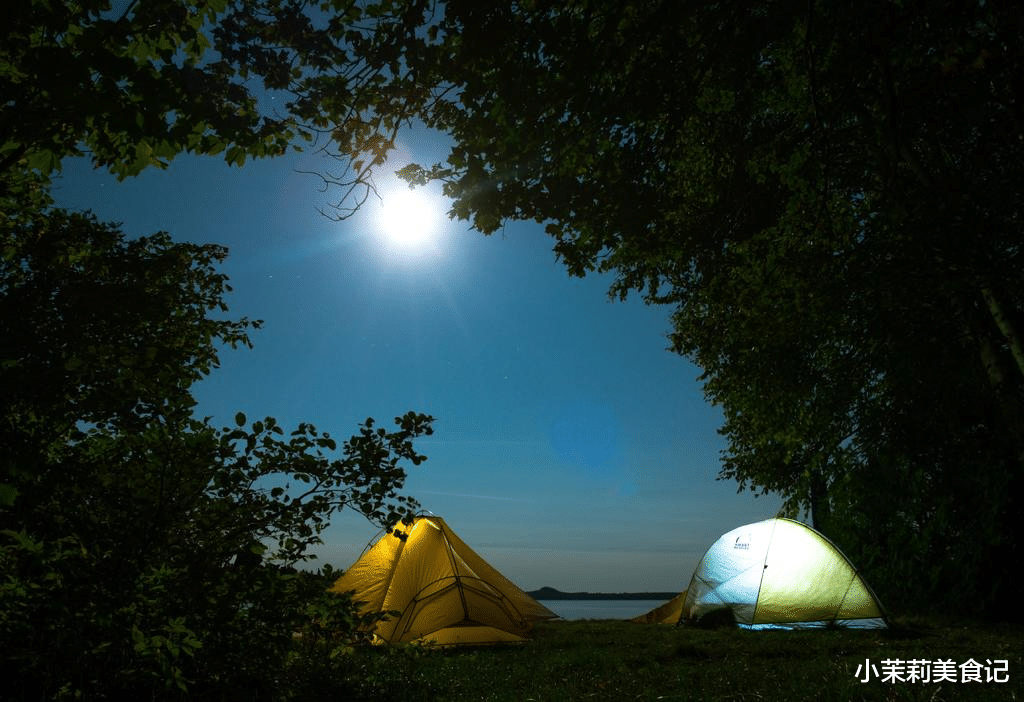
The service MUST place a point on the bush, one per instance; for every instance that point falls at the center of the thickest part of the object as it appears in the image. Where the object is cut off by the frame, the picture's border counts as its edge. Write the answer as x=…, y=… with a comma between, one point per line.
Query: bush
x=145, y=553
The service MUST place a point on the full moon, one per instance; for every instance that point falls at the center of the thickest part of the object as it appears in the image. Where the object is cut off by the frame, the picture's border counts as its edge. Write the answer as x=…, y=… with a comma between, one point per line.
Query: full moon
x=408, y=218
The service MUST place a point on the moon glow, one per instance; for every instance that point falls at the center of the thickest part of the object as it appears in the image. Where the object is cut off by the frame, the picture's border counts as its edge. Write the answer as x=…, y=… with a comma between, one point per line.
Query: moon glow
x=408, y=219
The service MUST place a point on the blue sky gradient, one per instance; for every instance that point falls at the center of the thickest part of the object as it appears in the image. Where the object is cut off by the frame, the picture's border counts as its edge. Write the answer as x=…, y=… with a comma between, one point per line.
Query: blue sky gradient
x=571, y=449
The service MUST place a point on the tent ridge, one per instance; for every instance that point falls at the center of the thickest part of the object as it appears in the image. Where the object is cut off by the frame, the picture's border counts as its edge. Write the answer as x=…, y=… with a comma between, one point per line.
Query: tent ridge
x=446, y=592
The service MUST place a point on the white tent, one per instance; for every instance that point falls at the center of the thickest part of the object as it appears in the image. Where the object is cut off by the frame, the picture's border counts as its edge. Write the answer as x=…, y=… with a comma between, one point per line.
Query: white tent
x=780, y=572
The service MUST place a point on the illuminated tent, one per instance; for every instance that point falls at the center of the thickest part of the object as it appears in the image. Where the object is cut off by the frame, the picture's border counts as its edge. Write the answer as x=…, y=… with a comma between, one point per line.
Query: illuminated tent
x=446, y=593
x=667, y=613
x=780, y=572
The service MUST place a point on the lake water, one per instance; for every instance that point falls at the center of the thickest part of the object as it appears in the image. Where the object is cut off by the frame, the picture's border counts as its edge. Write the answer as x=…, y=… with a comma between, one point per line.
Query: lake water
x=601, y=609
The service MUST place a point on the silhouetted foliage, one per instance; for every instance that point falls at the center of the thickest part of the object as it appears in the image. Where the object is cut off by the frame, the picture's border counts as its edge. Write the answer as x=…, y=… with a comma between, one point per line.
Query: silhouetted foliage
x=826, y=194
x=145, y=551
x=146, y=554
x=134, y=85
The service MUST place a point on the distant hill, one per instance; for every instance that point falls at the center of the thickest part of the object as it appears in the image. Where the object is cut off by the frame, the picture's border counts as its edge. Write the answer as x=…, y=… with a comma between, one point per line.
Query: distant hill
x=550, y=593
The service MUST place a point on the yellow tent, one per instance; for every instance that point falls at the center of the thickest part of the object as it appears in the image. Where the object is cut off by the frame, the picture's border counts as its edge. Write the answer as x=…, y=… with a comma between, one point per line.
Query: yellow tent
x=780, y=572
x=667, y=613
x=446, y=593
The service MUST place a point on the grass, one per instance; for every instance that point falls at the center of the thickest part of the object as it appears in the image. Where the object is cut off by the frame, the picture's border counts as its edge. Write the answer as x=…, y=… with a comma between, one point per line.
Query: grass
x=605, y=660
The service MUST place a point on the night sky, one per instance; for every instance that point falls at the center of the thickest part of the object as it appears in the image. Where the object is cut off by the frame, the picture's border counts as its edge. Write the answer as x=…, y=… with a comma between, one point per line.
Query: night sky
x=571, y=449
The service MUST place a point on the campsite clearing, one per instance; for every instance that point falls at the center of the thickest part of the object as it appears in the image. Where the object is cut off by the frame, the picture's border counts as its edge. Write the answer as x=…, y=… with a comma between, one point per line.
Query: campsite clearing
x=610, y=660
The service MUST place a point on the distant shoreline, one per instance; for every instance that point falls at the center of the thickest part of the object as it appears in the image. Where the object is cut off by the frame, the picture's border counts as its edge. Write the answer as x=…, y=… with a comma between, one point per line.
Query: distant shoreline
x=550, y=593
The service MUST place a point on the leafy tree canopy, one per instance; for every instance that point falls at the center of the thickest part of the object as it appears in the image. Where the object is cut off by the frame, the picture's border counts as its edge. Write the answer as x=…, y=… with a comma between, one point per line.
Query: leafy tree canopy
x=146, y=553
x=133, y=84
x=827, y=196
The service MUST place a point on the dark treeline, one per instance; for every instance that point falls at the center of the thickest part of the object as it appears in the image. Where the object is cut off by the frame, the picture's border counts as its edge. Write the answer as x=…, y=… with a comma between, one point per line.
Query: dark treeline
x=550, y=593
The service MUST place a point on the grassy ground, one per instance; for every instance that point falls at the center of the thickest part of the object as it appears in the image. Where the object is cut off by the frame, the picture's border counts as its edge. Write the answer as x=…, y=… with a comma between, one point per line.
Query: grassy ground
x=602, y=660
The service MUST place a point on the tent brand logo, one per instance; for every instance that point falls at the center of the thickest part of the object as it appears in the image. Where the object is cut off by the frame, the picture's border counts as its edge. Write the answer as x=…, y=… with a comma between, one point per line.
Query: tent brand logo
x=742, y=542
